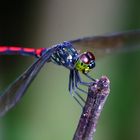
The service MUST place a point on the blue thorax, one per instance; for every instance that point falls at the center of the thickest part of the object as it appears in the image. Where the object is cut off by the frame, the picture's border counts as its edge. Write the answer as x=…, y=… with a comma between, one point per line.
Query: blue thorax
x=65, y=55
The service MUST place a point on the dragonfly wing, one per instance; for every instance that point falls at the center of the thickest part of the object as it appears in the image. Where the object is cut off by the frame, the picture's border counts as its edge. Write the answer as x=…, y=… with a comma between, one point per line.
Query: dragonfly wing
x=103, y=45
x=17, y=89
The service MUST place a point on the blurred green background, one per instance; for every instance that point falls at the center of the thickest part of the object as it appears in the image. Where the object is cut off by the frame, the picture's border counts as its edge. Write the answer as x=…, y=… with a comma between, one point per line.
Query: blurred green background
x=47, y=111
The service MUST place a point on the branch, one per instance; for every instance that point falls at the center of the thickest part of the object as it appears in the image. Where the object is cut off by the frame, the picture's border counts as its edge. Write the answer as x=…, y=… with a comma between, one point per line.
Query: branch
x=97, y=95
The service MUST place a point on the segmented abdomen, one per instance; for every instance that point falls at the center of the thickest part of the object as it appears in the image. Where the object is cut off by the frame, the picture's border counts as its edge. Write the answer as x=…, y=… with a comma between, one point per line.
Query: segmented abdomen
x=12, y=50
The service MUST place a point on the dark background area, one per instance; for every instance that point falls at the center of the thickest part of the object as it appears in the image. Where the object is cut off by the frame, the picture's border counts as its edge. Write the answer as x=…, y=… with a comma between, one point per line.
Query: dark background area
x=47, y=111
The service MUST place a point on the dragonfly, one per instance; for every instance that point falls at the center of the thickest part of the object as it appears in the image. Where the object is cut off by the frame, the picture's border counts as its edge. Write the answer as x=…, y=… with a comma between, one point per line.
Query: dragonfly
x=66, y=54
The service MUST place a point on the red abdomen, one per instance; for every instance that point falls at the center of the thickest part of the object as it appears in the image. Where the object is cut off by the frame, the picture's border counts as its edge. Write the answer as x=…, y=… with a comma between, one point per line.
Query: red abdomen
x=12, y=50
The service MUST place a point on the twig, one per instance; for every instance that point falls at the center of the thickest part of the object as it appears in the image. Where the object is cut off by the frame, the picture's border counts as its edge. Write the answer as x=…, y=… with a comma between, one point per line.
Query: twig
x=97, y=95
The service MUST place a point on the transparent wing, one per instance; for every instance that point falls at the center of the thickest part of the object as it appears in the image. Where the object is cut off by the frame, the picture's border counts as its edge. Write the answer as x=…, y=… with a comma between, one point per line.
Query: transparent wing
x=17, y=89
x=102, y=45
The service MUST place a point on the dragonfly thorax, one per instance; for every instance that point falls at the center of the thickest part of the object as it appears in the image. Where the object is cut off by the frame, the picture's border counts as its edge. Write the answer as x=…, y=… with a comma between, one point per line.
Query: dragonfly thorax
x=65, y=55
x=85, y=62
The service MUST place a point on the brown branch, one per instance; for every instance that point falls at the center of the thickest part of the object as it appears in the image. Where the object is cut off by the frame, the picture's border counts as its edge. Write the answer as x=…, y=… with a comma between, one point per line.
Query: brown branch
x=97, y=95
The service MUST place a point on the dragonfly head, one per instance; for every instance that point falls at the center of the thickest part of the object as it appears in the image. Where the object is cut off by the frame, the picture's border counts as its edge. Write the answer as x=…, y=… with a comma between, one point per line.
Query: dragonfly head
x=85, y=62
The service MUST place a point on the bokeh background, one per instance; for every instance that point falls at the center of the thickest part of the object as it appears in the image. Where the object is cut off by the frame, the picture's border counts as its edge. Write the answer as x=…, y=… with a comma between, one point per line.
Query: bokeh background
x=47, y=111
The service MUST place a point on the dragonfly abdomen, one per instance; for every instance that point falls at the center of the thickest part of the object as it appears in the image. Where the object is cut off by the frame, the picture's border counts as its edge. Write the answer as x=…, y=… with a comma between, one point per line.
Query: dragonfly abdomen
x=65, y=55
x=12, y=50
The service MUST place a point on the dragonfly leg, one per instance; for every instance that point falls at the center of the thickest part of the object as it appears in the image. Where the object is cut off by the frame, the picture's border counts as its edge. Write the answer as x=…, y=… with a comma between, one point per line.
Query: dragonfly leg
x=86, y=74
x=72, y=89
x=80, y=80
x=70, y=85
x=77, y=82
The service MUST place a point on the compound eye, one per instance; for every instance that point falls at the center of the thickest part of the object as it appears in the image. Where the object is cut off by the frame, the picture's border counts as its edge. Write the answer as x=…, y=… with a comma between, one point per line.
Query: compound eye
x=90, y=55
x=84, y=58
x=92, y=64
